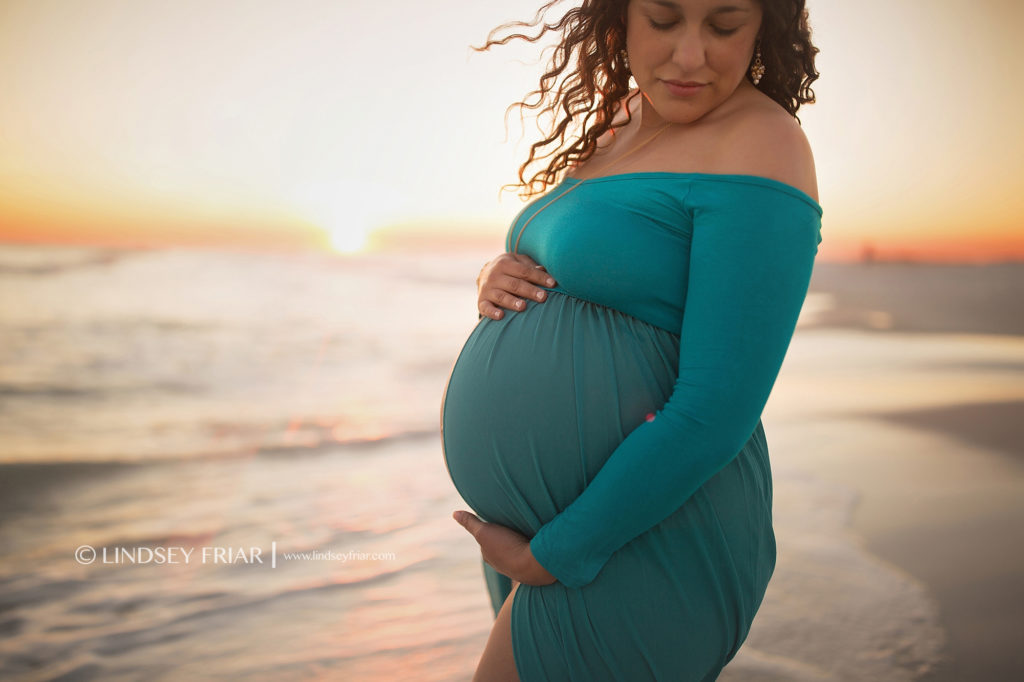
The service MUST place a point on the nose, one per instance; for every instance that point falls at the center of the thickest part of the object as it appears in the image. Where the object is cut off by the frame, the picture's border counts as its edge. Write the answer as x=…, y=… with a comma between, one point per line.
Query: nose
x=689, y=50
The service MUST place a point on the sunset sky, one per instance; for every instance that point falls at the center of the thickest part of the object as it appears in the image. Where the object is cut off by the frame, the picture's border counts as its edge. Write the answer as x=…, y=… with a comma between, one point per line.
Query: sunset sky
x=265, y=123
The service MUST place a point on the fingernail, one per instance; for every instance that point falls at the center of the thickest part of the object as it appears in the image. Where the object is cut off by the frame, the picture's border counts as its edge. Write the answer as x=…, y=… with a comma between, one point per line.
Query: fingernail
x=518, y=305
x=551, y=282
x=540, y=295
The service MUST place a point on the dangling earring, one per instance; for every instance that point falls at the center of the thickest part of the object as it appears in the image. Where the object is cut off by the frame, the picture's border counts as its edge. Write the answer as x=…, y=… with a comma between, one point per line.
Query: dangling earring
x=757, y=68
x=625, y=59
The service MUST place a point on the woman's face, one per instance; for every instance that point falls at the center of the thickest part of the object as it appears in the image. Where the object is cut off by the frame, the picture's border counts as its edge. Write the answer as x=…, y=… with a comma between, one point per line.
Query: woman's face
x=710, y=42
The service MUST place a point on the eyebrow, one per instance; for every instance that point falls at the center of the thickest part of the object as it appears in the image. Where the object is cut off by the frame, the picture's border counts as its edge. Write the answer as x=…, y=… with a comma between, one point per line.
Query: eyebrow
x=724, y=9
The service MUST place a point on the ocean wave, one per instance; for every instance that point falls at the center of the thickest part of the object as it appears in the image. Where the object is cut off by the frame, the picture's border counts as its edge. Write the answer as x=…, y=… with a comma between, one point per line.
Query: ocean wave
x=325, y=447
x=39, y=261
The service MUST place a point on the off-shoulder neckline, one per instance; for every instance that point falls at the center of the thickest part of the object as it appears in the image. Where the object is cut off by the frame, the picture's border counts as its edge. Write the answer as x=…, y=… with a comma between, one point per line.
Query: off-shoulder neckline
x=724, y=177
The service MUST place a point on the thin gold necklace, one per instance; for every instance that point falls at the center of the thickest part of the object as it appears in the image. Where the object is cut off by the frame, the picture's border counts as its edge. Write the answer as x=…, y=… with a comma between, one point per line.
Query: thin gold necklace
x=660, y=130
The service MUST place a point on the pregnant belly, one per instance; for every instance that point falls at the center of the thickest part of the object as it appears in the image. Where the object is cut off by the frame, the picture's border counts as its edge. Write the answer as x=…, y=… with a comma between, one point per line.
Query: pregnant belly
x=537, y=401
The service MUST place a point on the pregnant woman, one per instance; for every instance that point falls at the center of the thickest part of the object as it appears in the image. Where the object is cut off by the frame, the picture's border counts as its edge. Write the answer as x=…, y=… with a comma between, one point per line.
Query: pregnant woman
x=603, y=420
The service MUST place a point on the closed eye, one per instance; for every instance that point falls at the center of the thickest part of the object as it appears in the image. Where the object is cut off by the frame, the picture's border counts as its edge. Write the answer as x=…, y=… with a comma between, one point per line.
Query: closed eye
x=667, y=26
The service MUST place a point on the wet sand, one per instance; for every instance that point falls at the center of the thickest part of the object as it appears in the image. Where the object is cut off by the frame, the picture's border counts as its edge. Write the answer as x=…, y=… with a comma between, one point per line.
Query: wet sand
x=949, y=514
x=942, y=486
x=965, y=544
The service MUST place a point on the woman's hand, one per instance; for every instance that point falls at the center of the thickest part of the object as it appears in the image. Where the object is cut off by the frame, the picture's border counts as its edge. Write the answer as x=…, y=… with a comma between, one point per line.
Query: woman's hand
x=507, y=550
x=504, y=279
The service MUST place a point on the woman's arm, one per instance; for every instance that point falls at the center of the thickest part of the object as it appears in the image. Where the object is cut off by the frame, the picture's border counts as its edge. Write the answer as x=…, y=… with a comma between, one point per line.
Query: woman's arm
x=751, y=258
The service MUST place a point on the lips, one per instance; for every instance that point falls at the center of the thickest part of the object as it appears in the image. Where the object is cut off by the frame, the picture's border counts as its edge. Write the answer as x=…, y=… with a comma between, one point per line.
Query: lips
x=684, y=88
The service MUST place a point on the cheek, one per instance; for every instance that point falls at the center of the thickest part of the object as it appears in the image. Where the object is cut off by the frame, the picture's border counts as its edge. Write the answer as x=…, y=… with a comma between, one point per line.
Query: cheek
x=647, y=51
x=729, y=62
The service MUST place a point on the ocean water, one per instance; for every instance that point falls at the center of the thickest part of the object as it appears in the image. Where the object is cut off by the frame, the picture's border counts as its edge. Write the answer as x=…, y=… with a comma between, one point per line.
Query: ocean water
x=196, y=418
x=138, y=356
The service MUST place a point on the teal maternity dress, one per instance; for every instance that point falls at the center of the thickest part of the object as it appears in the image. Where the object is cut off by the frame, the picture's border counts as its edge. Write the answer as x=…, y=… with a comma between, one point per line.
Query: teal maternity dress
x=618, y=423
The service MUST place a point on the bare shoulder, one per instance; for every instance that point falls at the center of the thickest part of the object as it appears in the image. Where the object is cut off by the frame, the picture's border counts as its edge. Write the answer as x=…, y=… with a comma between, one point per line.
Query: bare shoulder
x=766, y=140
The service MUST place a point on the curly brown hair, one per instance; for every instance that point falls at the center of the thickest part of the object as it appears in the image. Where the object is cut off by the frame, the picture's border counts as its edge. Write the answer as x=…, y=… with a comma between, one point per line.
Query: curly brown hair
x=594, y=34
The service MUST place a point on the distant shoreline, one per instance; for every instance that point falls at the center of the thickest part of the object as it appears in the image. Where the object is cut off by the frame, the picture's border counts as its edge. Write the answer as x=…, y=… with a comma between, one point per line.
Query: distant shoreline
x=486, y=240
x=927, y=298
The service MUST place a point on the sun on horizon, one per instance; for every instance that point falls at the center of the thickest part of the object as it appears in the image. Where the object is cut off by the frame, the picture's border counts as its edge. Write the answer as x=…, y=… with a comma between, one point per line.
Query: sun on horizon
x=348, y=210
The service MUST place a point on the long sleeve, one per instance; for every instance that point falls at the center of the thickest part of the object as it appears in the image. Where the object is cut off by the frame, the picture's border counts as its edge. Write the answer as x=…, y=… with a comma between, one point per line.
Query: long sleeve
x=751, y=257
